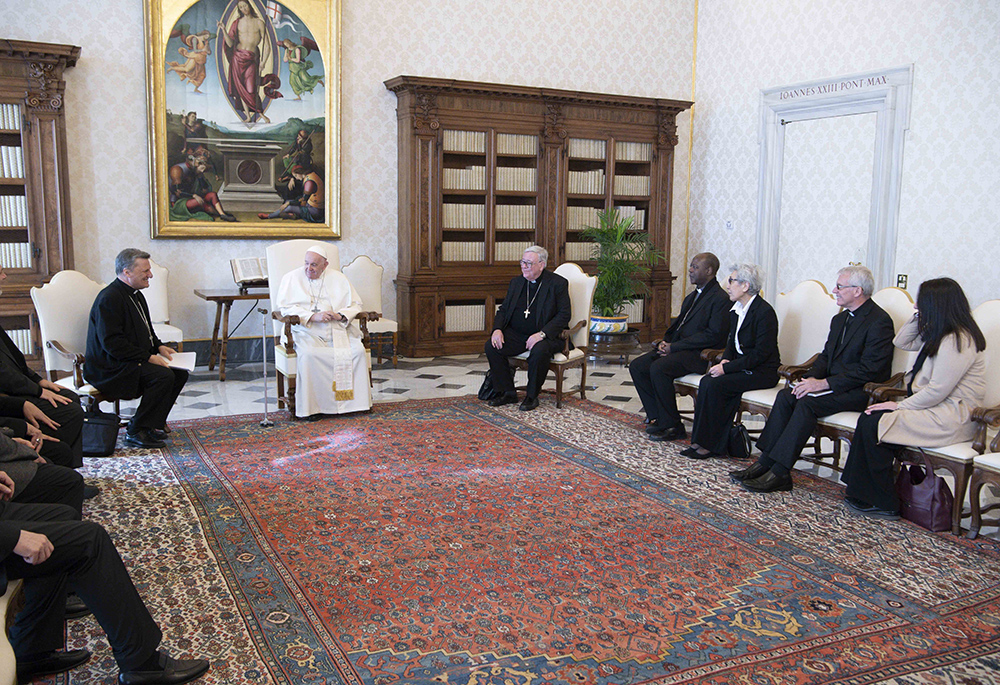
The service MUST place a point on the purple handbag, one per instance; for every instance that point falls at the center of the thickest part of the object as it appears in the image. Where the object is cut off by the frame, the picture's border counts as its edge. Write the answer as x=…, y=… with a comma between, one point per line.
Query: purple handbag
x=924, y=497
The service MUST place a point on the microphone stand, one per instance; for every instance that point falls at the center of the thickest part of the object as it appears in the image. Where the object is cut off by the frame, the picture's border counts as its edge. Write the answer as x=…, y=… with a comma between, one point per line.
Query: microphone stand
x=265, y=422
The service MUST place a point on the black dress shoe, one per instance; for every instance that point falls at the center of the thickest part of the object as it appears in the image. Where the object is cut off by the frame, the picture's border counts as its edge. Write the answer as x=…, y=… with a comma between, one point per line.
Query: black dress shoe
x=675, y=433
x=769, y=482
x=158, y=434
x=752, y=471
x=506, y=398
x=529, y=404
x=50, y=663
x=871, y=511
x=75, y=608
x=690, y=451
x=170, y=671
x=142, y=438
x=90, y=491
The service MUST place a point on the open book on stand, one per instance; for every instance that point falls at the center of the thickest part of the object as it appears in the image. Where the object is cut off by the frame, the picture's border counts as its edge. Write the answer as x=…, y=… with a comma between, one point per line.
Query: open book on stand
x=249, y=272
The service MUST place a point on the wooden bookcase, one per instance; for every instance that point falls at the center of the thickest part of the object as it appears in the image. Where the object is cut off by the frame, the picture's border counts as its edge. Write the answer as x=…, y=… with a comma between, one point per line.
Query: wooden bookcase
x=486, y=170
x=36, y=240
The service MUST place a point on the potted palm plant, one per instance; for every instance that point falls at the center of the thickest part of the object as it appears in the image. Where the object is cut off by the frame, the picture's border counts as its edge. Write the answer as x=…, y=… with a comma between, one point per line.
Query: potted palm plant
x=624, y=256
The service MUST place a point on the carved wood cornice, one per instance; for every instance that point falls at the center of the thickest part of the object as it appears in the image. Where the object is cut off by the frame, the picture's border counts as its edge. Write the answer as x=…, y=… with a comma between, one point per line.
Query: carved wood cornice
x=44, y=64
x=549, y=95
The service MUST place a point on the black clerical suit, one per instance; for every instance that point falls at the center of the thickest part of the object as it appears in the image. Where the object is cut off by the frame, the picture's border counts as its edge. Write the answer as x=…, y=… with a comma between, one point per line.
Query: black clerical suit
x=19, y=383
x=549, y=311
x=85, y=558
x=120, y=341
x=703, y=323
x=851, y=358
x=755, y=368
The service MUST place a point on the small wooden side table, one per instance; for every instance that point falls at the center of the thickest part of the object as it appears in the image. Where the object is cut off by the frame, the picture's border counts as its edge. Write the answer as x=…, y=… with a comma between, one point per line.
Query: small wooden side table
x=615, y=345
x=223, y=300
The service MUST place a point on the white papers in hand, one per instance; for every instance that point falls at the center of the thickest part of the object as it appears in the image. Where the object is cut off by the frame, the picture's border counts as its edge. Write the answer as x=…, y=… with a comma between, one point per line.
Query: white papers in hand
x=182, y=360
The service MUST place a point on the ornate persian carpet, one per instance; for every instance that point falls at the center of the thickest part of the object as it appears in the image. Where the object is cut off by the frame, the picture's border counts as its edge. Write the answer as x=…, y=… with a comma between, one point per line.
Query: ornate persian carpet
x=442, y=541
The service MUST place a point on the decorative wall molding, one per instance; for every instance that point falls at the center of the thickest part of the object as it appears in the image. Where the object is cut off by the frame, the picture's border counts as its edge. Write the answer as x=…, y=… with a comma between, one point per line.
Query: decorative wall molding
x=886, y=92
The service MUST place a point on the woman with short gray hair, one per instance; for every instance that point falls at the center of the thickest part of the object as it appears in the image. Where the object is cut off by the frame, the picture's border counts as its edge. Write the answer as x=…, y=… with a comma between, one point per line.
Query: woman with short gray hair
x=750, y=362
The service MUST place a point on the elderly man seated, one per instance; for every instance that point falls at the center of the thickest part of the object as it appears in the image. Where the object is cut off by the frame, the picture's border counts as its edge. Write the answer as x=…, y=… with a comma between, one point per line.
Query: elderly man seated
x=332, y=366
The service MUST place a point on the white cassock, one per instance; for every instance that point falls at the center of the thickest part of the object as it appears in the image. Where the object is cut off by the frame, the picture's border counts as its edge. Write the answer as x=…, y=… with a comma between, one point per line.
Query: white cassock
x=331, y=375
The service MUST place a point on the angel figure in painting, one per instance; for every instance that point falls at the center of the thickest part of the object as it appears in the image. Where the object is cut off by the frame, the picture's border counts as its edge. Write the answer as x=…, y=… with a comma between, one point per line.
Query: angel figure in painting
x=196, y=55
x=248, y=50
x=299, y=77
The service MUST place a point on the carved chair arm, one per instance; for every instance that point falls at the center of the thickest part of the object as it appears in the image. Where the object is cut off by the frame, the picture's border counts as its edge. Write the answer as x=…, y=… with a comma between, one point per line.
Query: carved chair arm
x=567, y=334
x=986, y=418
x=75, y=357
x=794, y=372
x=289, y=321
x=883, y=392
x=712, y=356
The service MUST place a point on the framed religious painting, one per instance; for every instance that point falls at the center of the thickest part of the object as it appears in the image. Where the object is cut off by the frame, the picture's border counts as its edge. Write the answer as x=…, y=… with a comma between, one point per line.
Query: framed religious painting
x=244, y=118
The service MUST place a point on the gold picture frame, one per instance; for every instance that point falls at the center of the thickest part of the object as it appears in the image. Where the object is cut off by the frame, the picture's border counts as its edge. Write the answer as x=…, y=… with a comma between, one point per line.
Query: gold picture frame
x=244, y=118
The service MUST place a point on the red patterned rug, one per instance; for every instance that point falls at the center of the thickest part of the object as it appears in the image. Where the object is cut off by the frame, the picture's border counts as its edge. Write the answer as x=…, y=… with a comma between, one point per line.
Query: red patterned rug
x=442, y=541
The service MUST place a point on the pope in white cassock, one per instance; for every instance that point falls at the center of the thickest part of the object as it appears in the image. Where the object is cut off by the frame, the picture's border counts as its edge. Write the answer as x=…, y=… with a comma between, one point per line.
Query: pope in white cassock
x=332, y=363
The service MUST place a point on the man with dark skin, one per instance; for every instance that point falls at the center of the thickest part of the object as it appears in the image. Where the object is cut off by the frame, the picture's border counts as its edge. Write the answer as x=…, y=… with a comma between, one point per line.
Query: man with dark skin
x=702, y=323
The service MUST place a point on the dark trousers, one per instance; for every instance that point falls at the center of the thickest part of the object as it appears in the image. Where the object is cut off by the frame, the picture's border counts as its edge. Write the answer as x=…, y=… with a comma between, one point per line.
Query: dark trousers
x=69, y=450
x=515, y=343
x=792, y=421
x=53, y=484
x=159, y=387
x=870, y=472
x=653, y=376
x=85, y=558
x=717, y=403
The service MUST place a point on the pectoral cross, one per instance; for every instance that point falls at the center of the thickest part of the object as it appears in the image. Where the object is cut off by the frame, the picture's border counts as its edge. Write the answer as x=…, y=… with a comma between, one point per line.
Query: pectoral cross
x=526, y=313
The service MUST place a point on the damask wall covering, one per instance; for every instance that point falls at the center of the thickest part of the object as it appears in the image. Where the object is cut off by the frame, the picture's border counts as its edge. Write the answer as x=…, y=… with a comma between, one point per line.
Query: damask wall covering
x=559, y=45
x=951, y=182
x=950, y=203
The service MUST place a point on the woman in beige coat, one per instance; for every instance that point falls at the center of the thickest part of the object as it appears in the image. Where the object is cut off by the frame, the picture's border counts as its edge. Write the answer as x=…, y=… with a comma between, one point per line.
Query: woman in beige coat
x=946, y=383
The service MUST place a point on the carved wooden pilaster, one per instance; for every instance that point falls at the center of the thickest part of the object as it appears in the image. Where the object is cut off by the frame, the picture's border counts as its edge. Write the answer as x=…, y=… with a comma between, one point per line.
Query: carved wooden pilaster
x=555, y=131
x=425, y=119
x=47, y=96
x=666, y=129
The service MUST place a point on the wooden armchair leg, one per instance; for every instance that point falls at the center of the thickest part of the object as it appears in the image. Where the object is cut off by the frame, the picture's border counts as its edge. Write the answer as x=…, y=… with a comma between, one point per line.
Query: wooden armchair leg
x=975, y=491
x=395, y=344
x=281, y=389
x=559, y=386
x=583, y=381
x=961, y=483
x=291, y=397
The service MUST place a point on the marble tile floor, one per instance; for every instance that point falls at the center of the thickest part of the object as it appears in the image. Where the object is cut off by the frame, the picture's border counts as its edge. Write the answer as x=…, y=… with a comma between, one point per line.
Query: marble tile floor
x=608, y=383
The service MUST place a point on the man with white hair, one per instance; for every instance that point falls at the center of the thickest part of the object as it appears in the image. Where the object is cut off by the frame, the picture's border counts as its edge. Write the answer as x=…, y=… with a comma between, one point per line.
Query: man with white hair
x=332, y=368
x=858, y=350
x=533, y=314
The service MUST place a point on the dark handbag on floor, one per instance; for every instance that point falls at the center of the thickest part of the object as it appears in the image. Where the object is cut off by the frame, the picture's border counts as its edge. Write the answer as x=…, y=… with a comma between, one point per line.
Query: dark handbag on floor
x=100, y=433
x=924, y=497
x=486, y=391
x=739, y=442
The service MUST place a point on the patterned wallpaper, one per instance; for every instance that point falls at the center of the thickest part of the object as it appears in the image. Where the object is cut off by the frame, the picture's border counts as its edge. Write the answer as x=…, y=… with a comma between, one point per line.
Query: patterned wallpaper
x=560, y=45
x=825, y=196
x=950, y=198
x=951, y=182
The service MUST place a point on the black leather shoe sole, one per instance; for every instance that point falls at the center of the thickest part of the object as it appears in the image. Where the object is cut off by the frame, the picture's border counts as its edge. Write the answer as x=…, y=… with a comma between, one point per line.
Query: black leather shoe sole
x=143, y=441
x=174, y=672
x=75, y=608
x=506, y=398
x=861, y=508
x=669, y=434
x=752, y=471
x=768, y=483
x=57, y=662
